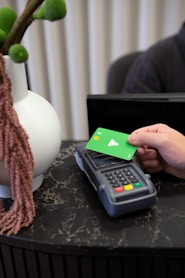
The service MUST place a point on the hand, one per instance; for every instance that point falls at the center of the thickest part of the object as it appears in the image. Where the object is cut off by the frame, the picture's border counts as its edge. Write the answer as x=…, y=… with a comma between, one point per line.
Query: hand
x=160, y=148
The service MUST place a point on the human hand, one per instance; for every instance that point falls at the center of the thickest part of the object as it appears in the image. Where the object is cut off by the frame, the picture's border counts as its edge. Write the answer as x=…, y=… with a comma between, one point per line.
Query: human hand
x=160, y=148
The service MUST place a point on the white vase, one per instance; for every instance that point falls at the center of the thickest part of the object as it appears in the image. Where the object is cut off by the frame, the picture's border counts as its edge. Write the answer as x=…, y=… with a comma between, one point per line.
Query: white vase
x=40, y=122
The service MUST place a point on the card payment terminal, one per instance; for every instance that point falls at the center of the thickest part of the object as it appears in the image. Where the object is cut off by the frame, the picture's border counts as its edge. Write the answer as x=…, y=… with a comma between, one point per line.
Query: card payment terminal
x=121, y=185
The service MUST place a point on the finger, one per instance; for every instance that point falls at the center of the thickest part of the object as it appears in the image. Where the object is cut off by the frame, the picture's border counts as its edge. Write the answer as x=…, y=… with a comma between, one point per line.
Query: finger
x=145, y=138
x=151, y=166
x=153, y=170
x=151, y=128
x=147, y=154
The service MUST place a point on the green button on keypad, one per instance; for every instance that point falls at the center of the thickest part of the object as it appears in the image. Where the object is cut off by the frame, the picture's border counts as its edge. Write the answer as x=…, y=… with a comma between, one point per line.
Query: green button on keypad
x=137, y=184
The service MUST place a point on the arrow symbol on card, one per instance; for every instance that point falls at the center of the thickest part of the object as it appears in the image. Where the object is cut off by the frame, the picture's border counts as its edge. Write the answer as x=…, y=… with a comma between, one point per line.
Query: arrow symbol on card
x=113, y=143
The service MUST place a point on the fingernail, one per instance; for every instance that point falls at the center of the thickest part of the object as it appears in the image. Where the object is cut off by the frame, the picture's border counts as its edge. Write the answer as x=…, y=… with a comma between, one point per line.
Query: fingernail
x=133, y=137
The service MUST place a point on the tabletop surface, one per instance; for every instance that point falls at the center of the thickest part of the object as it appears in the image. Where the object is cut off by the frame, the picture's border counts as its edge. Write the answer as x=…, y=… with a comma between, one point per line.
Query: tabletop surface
x=69, y=214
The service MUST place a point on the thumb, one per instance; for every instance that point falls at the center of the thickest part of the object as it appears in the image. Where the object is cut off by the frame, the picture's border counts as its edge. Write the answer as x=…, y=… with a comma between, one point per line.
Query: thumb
x=144, y=138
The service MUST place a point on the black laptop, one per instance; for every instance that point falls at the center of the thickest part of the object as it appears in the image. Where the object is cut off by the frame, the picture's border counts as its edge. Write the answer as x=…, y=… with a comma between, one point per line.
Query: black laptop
x=126, y=112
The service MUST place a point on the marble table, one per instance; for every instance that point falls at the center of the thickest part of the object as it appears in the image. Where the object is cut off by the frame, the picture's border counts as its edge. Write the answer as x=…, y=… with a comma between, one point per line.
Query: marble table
x=73, y=237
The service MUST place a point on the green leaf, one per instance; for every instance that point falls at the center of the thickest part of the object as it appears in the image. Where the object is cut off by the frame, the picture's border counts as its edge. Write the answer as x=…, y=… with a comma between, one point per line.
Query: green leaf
x=55, y=9
x=40, y=14
x=18, y=53
x=7, y=18
x=2, y=36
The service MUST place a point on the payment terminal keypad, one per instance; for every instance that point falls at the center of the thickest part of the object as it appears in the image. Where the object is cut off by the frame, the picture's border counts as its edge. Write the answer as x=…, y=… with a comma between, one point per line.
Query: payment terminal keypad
x=124, y=183
x=121, y=186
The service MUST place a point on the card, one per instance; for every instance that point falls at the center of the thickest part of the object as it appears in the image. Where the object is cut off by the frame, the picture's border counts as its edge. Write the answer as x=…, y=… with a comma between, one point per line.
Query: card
x=112, y=143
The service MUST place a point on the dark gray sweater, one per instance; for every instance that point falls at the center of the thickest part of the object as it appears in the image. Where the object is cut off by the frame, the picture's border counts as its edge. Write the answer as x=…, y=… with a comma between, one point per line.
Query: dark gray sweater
x=161, y=68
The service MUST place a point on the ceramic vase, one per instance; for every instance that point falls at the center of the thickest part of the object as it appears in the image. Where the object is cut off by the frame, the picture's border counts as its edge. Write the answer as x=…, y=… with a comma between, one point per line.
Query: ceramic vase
x=41, y=123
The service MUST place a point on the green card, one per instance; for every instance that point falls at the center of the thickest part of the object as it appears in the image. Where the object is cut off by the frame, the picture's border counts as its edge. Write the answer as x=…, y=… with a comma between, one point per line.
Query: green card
x=112, y=143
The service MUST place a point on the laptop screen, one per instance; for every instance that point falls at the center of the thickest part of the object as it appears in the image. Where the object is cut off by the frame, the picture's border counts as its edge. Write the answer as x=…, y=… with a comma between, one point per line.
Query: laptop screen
x=127, y=112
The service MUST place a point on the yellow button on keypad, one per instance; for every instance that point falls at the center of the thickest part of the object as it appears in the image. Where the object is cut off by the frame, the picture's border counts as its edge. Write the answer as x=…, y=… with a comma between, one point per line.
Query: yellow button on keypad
x=128, y=187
